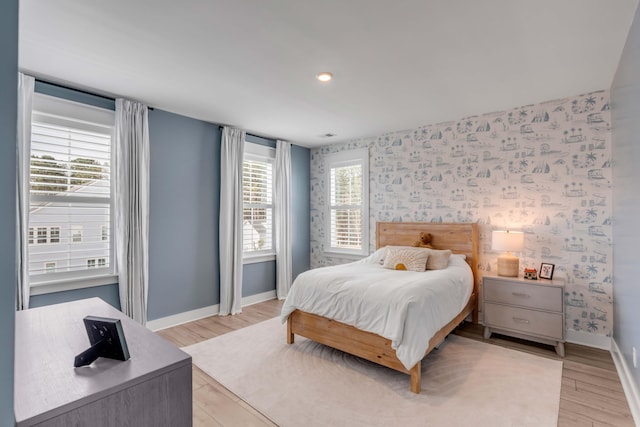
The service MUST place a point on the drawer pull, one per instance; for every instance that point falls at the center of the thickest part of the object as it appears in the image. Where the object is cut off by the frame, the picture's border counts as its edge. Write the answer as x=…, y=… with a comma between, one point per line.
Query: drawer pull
x=520, y=294
x=520, y=320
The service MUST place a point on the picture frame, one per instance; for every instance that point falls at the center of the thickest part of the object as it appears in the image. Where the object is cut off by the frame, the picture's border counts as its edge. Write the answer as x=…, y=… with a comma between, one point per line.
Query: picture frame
x=106, y=336
x=546, y=271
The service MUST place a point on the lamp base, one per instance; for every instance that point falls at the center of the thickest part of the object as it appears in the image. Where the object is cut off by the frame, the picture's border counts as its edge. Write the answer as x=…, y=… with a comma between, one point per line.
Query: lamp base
x=508, y=265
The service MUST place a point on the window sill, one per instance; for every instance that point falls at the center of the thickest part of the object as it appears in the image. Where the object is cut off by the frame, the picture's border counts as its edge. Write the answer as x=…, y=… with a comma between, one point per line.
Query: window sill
x=41, y=288
x=345, y=255
x=258, y=258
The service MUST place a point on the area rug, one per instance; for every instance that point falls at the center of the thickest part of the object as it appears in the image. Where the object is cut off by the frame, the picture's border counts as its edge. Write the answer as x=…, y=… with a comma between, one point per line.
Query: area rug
x=464, y=382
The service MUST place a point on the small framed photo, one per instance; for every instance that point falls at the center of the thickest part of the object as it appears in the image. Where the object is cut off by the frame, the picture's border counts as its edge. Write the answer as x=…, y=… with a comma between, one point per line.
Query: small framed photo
x=546, y=271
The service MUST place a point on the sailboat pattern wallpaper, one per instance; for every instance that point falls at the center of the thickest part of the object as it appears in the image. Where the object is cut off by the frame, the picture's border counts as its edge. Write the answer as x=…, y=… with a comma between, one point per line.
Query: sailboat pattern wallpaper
x=544, y=169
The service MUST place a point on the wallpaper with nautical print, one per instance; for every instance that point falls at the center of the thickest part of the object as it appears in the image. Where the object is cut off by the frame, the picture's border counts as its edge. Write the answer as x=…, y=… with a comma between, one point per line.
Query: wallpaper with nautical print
x=544, y=169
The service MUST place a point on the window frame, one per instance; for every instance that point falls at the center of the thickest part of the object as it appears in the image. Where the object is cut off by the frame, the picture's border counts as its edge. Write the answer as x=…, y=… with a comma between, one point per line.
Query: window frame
x=344, y=159
x=261, y=153
x=57, y=111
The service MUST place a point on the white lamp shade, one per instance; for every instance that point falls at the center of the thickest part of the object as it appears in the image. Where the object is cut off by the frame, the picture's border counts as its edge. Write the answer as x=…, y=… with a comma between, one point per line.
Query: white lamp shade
x=508, y=241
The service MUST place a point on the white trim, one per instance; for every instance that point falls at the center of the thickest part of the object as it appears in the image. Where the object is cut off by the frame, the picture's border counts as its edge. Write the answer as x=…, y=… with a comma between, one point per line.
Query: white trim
x=201, y=313
x=628, y=384
x=334, y=253
x=257, y=298
x=258, y=152
x=253, y=259
x=358, y=156
x=59, y=111
x=69, y=285
x=590, y=340
x=180, y=318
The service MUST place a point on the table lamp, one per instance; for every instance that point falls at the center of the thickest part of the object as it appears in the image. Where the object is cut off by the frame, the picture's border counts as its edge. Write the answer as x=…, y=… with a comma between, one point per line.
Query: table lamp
x=508, y=241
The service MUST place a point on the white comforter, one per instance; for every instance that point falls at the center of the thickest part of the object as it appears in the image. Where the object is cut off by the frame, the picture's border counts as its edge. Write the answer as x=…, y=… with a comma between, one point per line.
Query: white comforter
x=405, y=307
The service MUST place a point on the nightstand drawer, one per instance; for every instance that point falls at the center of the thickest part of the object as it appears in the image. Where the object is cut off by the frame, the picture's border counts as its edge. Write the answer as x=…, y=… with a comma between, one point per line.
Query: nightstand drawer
x=534, y=296
x=523, y=320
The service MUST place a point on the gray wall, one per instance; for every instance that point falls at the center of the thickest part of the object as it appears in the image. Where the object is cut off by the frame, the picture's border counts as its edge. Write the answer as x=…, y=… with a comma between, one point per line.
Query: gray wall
x=183, y=220
x=625, y=99
x=300, y=201
x=109, y=293
x=8, y=106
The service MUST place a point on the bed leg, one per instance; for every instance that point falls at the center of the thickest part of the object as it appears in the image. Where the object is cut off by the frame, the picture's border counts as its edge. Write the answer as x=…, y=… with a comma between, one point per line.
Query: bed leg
x=415, y=378
x=290, y=336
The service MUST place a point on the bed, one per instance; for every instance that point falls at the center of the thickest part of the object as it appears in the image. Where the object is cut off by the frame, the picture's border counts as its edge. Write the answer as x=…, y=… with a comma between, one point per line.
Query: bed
x=460, y=238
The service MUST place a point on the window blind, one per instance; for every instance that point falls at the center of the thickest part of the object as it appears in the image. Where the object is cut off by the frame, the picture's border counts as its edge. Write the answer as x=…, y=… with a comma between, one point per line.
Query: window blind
x=257, y=186
x=346, y=207
x=70, y=196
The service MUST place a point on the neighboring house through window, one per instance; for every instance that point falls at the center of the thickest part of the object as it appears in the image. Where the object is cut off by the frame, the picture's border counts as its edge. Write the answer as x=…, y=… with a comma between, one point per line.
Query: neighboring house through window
x=257, y=195
x=348, y=207
x=71, y=193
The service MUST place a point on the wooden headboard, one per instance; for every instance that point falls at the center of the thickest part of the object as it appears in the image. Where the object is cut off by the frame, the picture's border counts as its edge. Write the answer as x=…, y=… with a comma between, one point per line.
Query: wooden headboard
x=461, y=238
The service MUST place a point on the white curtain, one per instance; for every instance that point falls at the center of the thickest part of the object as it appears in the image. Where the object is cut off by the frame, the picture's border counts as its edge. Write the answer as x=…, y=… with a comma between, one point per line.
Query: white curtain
x=26, y=86
x=231, y=221
x=283, y=218
x=132, y=207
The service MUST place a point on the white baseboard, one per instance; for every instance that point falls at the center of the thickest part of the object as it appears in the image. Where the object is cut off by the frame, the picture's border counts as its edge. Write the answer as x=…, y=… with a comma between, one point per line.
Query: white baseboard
x=628, y=383
x=590, y=340
x=255, y=299
x=180, y=318
x=201, y=313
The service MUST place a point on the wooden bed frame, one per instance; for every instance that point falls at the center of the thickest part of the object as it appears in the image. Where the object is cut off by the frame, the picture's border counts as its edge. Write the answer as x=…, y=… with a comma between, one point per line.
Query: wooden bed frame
x=461, y=238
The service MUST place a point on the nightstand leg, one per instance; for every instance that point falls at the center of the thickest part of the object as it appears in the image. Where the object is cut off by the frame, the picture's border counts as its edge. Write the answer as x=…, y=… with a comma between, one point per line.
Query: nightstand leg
x=560, y=349
x=487, y=332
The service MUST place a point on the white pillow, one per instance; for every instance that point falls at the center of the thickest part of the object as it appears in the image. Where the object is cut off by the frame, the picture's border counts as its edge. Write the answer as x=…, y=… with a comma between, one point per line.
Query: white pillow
x=406, y=258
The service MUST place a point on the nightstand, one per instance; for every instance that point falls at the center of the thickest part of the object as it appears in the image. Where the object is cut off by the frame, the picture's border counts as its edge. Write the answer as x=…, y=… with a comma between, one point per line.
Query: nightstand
x=528, y=309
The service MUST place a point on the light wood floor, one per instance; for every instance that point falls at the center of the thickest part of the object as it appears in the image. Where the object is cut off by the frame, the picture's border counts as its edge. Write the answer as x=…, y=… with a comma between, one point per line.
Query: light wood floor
x=591, y=393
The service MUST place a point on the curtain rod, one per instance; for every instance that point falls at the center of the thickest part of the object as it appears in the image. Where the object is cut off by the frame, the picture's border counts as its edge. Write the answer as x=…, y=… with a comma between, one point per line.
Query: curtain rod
x=220, y=127
x=108, y=98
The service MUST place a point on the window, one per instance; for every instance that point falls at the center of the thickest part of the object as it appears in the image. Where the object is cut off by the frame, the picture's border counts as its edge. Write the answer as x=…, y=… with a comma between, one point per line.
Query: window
x=76, y=234
x=70, y=191
x=257, y=194
x=42, y=235
x=104, y=233
x=348, y=185
x=54, y=235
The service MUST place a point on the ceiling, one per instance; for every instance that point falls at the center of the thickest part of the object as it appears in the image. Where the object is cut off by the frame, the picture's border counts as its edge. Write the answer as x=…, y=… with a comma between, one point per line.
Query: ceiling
x=397, y=64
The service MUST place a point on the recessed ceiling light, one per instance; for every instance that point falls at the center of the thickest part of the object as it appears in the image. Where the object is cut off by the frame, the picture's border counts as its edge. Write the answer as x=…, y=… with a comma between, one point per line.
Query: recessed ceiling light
x=324, y=77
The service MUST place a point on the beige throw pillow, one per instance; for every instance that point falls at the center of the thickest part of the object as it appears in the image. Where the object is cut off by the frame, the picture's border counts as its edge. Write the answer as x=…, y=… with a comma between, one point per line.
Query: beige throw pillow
x=400, y=258
x=438, y=259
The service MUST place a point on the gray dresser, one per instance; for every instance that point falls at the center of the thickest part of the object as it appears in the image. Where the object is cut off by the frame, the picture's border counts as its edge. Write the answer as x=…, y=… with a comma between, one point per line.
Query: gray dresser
x=152, y=388
x=528, y=309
